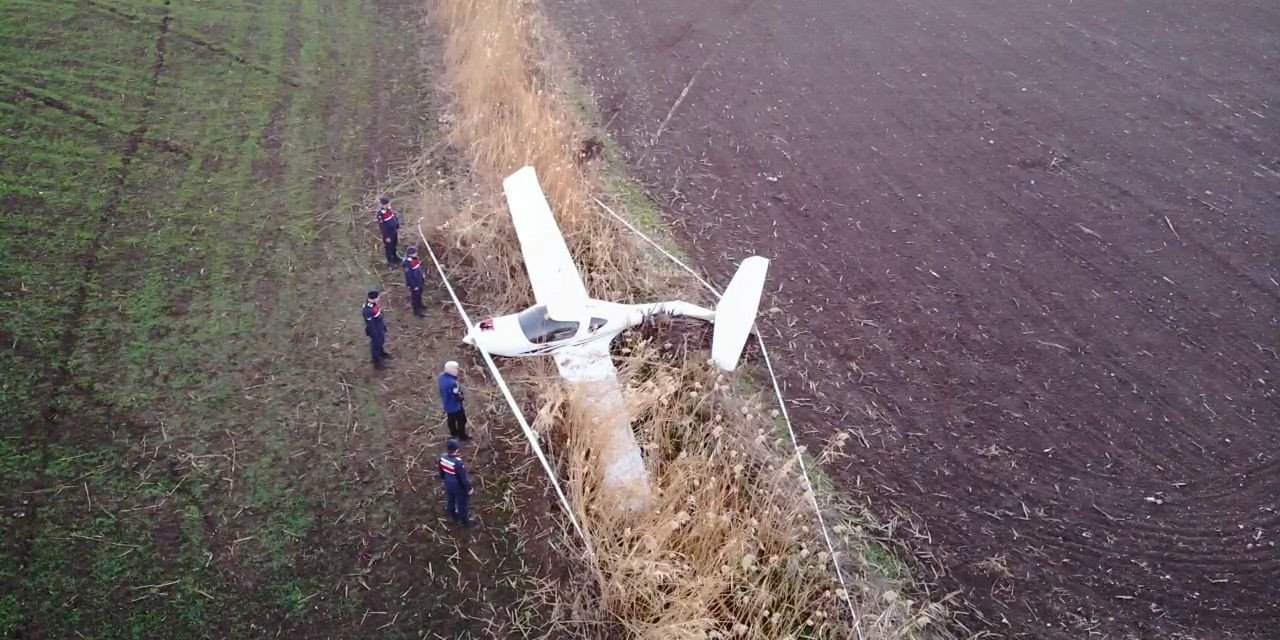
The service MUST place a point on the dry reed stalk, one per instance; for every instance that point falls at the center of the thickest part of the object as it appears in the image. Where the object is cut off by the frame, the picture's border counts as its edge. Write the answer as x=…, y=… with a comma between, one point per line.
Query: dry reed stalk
x=506, y=115
x=730, y=549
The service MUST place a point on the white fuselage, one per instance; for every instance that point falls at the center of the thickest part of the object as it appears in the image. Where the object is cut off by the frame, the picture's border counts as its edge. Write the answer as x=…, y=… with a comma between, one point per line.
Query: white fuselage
x=541, y=330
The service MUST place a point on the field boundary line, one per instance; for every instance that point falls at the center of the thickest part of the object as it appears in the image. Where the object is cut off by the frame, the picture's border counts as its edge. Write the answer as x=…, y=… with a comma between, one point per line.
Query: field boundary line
x=782, y=405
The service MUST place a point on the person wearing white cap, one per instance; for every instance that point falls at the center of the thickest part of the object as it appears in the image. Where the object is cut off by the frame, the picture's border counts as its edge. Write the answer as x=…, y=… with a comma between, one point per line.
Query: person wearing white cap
x=451, y=398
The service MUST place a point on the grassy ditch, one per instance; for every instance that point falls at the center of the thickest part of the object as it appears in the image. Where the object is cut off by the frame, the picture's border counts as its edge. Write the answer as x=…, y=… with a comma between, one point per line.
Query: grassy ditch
x=732, y=548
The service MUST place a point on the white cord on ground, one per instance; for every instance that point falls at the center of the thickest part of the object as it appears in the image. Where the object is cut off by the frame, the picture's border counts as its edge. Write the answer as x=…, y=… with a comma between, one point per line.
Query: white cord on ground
x=777, y=389
x=511, y=401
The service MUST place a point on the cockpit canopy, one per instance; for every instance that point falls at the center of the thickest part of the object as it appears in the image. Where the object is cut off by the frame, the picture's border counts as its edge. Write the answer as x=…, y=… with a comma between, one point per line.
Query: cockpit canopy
x=539, y=327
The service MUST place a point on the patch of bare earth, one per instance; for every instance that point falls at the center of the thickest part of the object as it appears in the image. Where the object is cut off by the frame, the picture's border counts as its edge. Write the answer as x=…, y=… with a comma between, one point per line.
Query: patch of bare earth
x=1028, y=254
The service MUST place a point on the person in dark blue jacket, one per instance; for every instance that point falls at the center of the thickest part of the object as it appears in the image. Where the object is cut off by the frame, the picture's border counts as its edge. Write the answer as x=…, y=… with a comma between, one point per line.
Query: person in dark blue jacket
x=457, y=484
x=451, y=398
x=389, y=226
x=376, y=328
x=414, y=278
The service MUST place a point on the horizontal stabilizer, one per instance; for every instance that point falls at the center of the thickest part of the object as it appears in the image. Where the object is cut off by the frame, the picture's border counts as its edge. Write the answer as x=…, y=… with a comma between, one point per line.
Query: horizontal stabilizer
x=736, y=313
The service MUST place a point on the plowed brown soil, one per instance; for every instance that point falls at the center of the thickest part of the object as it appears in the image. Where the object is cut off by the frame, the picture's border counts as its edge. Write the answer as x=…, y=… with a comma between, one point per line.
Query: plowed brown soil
x=1032, y=250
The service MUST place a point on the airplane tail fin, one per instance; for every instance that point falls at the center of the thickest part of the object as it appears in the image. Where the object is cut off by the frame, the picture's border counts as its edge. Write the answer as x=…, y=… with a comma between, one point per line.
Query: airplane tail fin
x=736, y=312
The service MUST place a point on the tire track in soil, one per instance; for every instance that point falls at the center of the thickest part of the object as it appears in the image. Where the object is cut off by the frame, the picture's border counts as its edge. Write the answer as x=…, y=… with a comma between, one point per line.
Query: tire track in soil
x=1102, y=326
x=32, y=93
x=50, y=428
x=214, y=47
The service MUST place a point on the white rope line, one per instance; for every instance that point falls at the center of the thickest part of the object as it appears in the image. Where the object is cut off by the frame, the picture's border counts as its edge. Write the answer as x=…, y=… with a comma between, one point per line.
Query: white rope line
x=777, y=389
x=511, y=401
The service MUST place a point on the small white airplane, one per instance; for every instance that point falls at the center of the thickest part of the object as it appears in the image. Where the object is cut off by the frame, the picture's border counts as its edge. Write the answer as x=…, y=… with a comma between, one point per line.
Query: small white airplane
x=577, y=329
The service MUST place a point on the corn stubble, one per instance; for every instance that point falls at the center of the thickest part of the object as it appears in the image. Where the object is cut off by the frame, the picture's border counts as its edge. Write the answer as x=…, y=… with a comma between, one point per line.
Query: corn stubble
x=731, y=548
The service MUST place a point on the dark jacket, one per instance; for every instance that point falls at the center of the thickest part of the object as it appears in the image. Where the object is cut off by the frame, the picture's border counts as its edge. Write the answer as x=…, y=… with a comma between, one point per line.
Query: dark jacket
x=388, y=222
x=374, y=325
x=450, y=393
x=413, y=275
x=453, y=471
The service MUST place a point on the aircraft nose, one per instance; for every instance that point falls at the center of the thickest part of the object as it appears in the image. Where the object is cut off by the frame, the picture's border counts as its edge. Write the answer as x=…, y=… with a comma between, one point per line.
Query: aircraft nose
x=469, y=339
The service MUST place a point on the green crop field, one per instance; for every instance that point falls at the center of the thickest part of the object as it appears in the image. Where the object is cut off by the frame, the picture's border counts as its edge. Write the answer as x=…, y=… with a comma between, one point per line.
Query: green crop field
x=192, y=443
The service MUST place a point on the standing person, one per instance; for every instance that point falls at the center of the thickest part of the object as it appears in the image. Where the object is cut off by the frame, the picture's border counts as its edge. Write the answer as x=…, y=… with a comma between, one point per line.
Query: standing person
x=451, y=398
x=414, y=279
x=389, y=226
x=457, y=484
x=376, y=328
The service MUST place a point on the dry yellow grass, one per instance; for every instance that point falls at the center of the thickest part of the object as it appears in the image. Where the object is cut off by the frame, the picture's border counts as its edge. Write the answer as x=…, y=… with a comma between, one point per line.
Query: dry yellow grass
x=505, y=116
x=731, y=548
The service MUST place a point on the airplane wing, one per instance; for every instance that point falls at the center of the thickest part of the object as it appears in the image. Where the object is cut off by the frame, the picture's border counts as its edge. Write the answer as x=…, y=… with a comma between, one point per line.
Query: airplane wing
x=557, y=283
x=552, y=272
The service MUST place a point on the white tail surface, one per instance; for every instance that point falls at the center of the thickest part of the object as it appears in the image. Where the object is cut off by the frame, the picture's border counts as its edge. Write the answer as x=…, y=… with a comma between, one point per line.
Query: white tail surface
x=736, y=312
